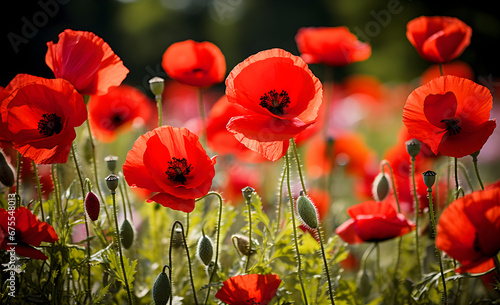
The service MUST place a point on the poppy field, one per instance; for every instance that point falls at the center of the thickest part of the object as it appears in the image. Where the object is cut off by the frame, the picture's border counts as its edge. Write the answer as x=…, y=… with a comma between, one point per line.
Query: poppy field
x=285, y=178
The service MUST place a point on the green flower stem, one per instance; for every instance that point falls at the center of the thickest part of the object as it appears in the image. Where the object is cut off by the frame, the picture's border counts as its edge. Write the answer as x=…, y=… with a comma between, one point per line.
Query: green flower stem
x=178, y=223
x=123, y=202
x=158, y=99
x=436, y=250
x=330, y=289
x=299, y=263
x=249, y=209
x=80, y=179
x=18, y=172
x=366, y=254
x=457, y=186
x=201, y=109
x=216, y=263
x=96, y=174
x=38, y=188
x=379, y=272
x=417, y=212
x=113, y=196
x=299, y=167
x=476, y=169
x=280, y=199
x=57, y=190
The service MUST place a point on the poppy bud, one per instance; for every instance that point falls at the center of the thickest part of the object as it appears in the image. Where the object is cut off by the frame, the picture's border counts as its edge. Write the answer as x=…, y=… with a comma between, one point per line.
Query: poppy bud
x=156, y=85
x=242, y=243
x=177, y=240
x=162, y=289
x=364, y=283
x=92, y=206
x=111, y=162
x=112, y=182
x=429, y=178
x=204, y=249
x=307, y=212
x=6, y=172
x=247, y=192
x=381, y=187
x=126, y=234
x=413, y=147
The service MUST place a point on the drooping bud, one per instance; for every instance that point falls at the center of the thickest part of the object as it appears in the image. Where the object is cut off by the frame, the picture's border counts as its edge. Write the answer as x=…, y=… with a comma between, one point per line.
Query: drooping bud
x=381, y=187
x=307, y=212
x=112, y=182
x=429, y=178
x=111, y=162
x=162, y=289
x=6, y=172
x=364, y=282
x=126, y=234
x=156, y=85
x=247, y=192
x=242, y=243
x=413, y=147
x=92, y=206
x=177, y=240
x=204, y=249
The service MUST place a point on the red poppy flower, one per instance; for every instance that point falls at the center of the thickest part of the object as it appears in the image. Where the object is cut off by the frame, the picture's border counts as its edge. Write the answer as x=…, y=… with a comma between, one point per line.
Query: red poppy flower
x=40, y=119
x=29, y=232
x=451, y=115
x=333, y=46
x=85, y=60
x=373, y=221
x=282, y=97
x=469, y=230
x=199, y=64
x=249, y=289
x=220, y=140
x=438, y=39
x=171, y=163
x=116, y=111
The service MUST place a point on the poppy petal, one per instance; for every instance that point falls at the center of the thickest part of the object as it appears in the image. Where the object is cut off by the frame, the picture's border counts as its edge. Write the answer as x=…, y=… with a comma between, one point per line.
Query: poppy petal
x=175, y=203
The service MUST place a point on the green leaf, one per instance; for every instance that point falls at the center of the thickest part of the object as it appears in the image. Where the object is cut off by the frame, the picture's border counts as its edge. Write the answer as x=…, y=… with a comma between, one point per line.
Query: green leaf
x=115, y=266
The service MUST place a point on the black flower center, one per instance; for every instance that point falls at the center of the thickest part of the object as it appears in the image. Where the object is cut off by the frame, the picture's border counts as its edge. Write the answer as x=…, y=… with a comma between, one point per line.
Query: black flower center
x=50, y=124
x=274, y=102
x=252, y=301
x=178, y=169
x=452, y=127
x=117, y=119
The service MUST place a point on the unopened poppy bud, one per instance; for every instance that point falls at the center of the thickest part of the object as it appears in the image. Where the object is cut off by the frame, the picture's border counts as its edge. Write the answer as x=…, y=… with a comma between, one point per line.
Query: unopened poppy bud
x=413, y=147
x=126, y=234
x=429, y=178
x=247, y=192
x=204, y=249
x=177, y=240
x=156, y=85
x=6, y=172
x=381, y=187
x=162, y=289
x=92, y=206
x=364, y=283
x=307, y=212
x=242, y=243
x=111, y=162
x=112, y=182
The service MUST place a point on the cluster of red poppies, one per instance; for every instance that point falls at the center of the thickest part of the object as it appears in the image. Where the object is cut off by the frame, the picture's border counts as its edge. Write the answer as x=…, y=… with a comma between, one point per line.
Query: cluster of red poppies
x=272, y=101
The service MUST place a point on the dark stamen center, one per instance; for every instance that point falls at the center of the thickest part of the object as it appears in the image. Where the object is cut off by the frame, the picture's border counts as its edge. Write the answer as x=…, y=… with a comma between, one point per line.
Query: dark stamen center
x=252, y=301
x=50, y=124
x=274, y=102
x=452, y=127
x=178, y=169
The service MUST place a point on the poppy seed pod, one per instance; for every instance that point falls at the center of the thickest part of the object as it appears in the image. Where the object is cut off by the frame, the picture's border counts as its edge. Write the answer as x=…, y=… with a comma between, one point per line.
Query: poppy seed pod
x=429, y=178
x=413, y=147
x=204, y=249
x=156, y=85
x=126, y=234
x=92, y=206
x=112, y=182
x=111, y=162
x=247, y=192
x=162, y=289
x=381, y=187
x=6, y=172
x=242, y=243
x=307, y=212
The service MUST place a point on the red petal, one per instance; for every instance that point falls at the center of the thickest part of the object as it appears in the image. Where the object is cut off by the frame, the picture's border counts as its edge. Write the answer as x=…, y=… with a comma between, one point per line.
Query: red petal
x=348, y=233
x=169, y=201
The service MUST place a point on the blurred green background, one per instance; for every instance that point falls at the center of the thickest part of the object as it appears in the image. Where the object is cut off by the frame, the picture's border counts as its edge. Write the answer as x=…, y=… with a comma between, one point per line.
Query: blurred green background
x=139, y=31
